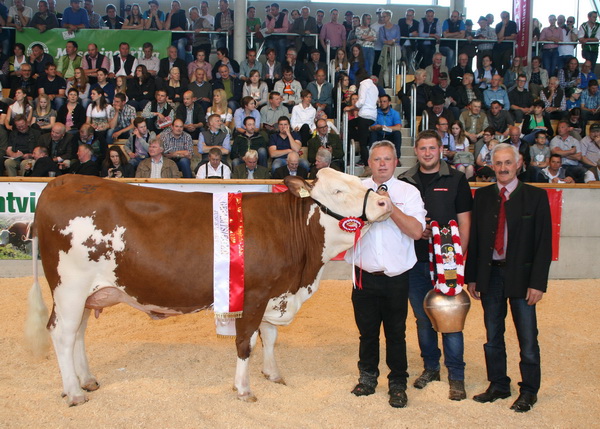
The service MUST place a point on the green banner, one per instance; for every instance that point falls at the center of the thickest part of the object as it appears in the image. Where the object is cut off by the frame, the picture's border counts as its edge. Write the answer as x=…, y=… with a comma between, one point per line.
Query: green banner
x=54, y=41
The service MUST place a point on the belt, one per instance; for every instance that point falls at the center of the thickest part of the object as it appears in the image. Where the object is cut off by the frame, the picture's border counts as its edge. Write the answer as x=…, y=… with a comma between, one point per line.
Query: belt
x=498, y=262
x=377, y=273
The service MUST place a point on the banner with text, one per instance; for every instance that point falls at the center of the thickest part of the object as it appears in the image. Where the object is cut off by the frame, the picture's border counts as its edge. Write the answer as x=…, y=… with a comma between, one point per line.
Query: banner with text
x=522, y=16
x=54, y=41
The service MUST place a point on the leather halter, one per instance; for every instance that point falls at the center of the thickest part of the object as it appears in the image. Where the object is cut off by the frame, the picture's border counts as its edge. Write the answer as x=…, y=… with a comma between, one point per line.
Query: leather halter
x=333, y=214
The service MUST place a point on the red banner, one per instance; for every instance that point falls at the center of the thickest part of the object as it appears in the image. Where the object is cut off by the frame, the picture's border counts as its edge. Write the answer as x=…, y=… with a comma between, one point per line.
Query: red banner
x=522, y=16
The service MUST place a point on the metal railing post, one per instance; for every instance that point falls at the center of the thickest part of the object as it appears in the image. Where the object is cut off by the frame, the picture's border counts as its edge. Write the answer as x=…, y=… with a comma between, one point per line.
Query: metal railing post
x=393, y=68
x=338, y=108
x=413, y=112
x=345, y=140
x=330, y=71
x=403, y=71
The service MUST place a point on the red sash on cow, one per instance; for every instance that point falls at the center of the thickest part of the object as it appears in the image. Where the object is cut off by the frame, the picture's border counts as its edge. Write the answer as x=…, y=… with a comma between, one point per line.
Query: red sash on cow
x=228, y=234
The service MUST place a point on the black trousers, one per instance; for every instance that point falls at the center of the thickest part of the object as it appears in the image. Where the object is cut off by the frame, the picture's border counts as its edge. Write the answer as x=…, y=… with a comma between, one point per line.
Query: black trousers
x=382, y=299
x=363, y=134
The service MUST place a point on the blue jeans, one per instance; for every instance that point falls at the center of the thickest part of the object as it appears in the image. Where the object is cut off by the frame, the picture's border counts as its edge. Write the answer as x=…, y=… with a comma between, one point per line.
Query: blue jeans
x=449, y=53
x=135, y=161
x=395, y=137
x=279, y=162
x=369, y=55
x=181, y=45
x=419, y=283
x=550, y=61
x=57, y=103
x=280, y=44
x=494, y=304
x=184, y=165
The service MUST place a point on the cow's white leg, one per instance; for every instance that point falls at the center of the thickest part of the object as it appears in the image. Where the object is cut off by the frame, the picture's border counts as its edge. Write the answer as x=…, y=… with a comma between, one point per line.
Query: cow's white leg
x=268, y=336
x=86, y=380
x=242, y=376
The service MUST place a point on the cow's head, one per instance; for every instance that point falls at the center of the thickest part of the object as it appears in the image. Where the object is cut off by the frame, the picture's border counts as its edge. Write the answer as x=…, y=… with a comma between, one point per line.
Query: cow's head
x=342, y=194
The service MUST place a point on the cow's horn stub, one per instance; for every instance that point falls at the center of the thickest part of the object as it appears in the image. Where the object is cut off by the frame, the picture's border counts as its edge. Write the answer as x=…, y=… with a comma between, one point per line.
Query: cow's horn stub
x=298, y=186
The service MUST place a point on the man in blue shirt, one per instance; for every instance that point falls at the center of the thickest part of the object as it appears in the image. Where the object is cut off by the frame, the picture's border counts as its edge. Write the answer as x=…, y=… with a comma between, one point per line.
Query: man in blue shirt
x=496, y=93
x=388, y=125
x=75, y=18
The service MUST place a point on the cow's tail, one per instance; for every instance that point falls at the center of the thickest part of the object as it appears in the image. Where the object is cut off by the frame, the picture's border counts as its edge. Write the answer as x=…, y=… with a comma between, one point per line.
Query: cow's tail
x=36, y=333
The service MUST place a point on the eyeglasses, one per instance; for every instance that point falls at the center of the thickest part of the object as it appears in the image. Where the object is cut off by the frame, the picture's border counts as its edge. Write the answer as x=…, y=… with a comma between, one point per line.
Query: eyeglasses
x=443, y=123
x=570, y=22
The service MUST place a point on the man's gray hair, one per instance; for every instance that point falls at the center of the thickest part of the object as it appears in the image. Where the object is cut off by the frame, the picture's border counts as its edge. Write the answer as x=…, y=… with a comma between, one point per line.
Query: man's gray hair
x=159, y=141
x=251, y=154
x=324, y=154
x=506, y=146
x=382, y=143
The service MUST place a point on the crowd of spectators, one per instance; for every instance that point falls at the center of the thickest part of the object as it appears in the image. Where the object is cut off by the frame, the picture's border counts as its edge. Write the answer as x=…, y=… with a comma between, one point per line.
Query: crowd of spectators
x=274, y=111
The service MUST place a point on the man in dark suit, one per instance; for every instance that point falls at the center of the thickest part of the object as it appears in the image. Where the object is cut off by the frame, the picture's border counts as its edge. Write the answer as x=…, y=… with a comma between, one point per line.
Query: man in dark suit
x=306, y=28
x=232, y=86
x=250, y=169
x=166, y=64
x=84, y=164
x=510, y=249
x=43, y=164
x=292, y=168
x=192, y=114
x=60, y=145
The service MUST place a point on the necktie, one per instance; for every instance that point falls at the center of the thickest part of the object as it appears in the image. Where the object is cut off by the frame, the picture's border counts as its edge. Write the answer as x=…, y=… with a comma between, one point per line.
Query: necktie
x=499, y=242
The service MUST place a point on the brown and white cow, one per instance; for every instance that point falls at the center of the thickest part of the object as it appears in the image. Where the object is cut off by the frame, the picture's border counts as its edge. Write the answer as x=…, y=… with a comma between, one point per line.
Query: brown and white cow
x=104, y=243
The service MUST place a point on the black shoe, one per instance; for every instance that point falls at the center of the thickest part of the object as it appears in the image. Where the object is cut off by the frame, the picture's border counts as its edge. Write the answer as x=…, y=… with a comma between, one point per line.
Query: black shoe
x=362, y=389
x=524, y=402
x=427, y=377
x=490, y=395
x=398, y=398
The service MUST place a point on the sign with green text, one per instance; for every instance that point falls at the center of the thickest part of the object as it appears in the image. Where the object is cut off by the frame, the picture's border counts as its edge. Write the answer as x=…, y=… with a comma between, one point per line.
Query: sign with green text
x=54, y=41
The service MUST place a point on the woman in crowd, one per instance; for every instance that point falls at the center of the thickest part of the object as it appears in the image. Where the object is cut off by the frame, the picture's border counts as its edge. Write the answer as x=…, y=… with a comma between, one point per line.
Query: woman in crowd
x=107, y=87
x=272, y=69
x=21, y=106
x=80, y=83
x=248, y=108
x=219, y=107
x=352, y=111
x=43, y=115
x=116, y=164
x=199, y=63
x=121, y=84
x=257, y=89
x=303, y=117
x=357, y=63
x=568, y=76
x=72, y=113
x=536, y=76
x=463, y=159
x=99, y=112
x=16, y=61
x=343, y=82
x=141, y=88
x=175, y=87
x=366, y=38
x=536, y=120
x=340, y=63
x=510, y=77
x=135, y=21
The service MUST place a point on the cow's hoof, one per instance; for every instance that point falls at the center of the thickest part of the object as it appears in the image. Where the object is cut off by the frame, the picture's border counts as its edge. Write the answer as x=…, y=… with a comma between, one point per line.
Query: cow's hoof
x=275, y=379
x=247, y=397
x=77, y=400
x=91, y=385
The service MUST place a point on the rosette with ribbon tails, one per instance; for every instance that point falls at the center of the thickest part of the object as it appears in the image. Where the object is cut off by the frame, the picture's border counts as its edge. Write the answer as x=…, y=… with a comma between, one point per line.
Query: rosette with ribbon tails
x=447, y=304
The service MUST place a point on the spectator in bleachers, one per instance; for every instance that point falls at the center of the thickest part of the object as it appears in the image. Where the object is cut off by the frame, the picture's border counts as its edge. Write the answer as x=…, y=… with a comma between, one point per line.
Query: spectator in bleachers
x=569, y=149
x=249, y=168
x=72, y=113
x=42, y=165
x=140, y=90
x=95, y=20
x=168, y=63
x=213, y=136
x=247, y=108
x=74, y=17
x=52, y=9
x=253, y=23
x=554, y=172
x=25, y=82
x=496, y=93
x=470, y=46
x=289, y=88
x=137, y=146
x=272, y=69
x=176, y=86
x=423, y=94
x=536, y=120
x=389, y=35
x=453, y=28
x=43, y=19
x=474, y=122
x=271, y=113
x=249, y=64
x=153, y=17
x=366, y=37
x=554, y=98
x=201, y=41
x=506, y=29
x=199, y=62
x=540, y=152
x=586, y=74
x=438, y=110
x=256, y=88
x=447, y=92
x=276, y=22
x=322, y=160
x=510, y=76
x=122, y=121
x=458, y=71
x=284, y=142
x=568, y=76
x=219, y=107
x=303, y=117
x=569, y=33
x=388, y=125
x=21, y=106
x=356, y=63
x=314, y=64
x=550, y=57
x=306, y=27
x=111, y=19
x=38, y=60
x=85, y=164
x=61, y=146
x=442, y=129
x=115, y=164
x=192, y=114
x=485, y=32
x=20, y=146
x=368, y=95
x=298, y=67
x=499, y=118
x=201, y=88
x=123, y=63
x=158, y=113
x=19, y=15
x=92, y=61
x=223, y=59
x=340, y=63
x=44, y=116
x=81, y=84
x=231, y=85
x=321, y=92
x=521, y=99
x=334, y=33
x=178, y=147
x=329, y=141
x=537, y=77
x=576, y=123
x=224, y=22
x=463, y=159
x=157, y=166
x=214, y=168
x=66, y=65
x=177, y=21
x=590, y=102
x=483, y=75
x=135, y=20
x=15, y=62
x=590, y=32
x=590, y=148
x=429, y=26
x=249, y=140
x=107, y=87
x=204, y=13
x=467, y=92
x=52, y=85
x=292, y=167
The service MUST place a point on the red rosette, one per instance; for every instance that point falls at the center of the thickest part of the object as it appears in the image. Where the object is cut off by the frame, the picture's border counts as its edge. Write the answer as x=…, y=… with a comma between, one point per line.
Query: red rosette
x=351, y=224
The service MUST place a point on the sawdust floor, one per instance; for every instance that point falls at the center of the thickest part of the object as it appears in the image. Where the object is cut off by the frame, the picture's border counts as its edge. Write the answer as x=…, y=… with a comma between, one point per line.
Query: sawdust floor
x=175, y=373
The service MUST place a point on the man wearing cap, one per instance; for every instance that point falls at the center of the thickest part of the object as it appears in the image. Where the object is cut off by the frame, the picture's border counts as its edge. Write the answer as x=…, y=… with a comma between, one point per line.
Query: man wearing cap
x=470, y=46
x=348, y=21
x=74, y=17
x=155, y=17
x=484, y=33
x=447, y=92
x=590, y=147
x=453, y=28
x=333, y=32
x=437, y=111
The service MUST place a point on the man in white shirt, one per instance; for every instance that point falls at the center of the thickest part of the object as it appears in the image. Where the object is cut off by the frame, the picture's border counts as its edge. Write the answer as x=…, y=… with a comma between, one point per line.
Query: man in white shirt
x=368, y=94
x=149, y=60
x=214, y=168
x=384, y=256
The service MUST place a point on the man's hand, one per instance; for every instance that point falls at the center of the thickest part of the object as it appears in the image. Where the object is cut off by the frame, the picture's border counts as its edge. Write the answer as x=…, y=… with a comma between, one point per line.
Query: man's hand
x=474, y=294
x=533, y=296
x=427, y=231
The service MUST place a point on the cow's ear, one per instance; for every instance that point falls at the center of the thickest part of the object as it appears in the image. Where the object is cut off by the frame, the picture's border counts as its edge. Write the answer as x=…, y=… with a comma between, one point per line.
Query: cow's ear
x=298, y=186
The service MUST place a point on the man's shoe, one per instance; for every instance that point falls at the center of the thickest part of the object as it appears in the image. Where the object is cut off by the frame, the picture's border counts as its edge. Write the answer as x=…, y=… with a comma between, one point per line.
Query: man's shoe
x=491, y=395
x=362, y=389
x=398, y=398
x=457, y=390
x=524, y=402
x=427, y=377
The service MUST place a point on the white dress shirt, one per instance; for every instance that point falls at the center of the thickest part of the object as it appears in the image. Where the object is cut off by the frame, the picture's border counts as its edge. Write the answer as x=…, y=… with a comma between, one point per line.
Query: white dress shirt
x=368, y=94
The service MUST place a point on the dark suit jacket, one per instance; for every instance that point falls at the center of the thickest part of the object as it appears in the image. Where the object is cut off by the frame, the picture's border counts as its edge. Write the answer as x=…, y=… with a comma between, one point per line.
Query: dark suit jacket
x=461, y=96
x=89, y=168
x=529, y=248
x=42, y=167
x=241, y=172
x=299, y=27
x=282, y=172
x=163, y=68
x=66, y=148
x=198, y=115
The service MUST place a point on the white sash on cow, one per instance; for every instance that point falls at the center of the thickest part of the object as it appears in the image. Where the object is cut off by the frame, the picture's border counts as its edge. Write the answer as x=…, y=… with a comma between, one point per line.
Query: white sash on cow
x=228, y=266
